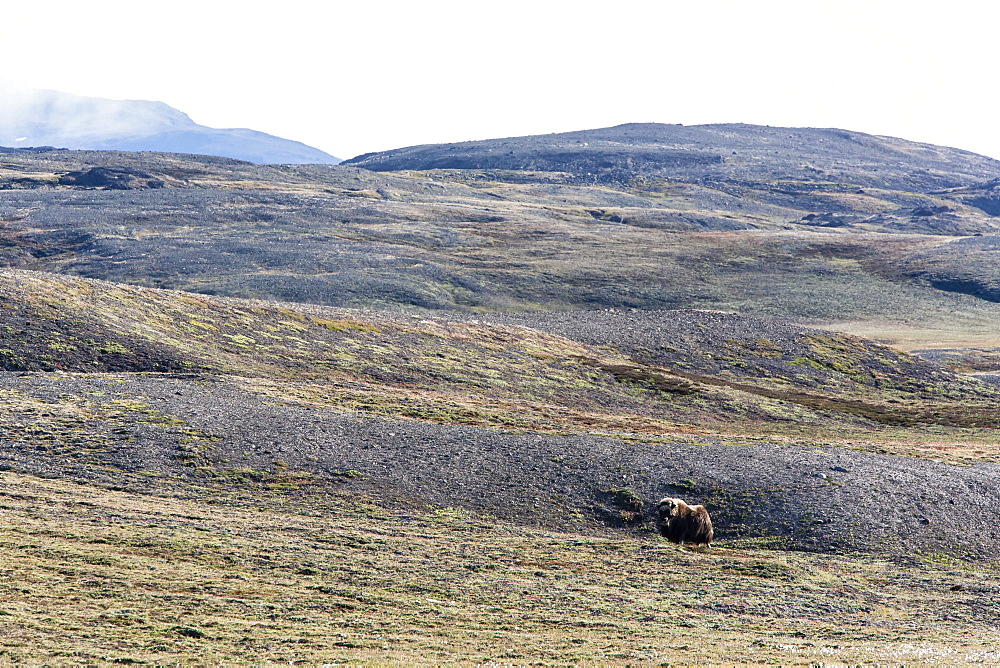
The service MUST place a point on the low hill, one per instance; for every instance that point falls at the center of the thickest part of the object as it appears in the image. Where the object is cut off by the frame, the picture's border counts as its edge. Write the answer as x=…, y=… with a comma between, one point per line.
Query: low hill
x=842, y=179
x=578, y=427
x=31, y=117
x=736, y=153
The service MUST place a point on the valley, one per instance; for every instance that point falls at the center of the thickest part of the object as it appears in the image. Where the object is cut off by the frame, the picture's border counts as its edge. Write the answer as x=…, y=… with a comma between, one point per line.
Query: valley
x=417, y=407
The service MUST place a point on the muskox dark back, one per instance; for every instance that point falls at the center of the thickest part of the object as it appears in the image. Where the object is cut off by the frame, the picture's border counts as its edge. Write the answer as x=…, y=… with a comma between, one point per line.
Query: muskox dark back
x=680, y=523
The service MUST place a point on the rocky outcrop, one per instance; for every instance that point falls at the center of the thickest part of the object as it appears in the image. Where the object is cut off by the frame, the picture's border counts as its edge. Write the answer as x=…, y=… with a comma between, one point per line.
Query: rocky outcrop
x=112, y=178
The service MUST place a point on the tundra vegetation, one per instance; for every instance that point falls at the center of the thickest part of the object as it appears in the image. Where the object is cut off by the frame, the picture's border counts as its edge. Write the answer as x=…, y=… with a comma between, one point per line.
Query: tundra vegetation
x=422, y=415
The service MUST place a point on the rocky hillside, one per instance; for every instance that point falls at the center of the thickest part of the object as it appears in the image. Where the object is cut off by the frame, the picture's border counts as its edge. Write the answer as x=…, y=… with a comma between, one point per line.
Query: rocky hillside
x=476, y=240
x=796, y=158
x=470, y=469
x=841, y=179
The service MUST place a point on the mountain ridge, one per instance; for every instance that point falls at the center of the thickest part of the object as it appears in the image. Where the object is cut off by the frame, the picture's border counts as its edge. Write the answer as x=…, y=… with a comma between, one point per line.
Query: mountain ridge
x=43, y=117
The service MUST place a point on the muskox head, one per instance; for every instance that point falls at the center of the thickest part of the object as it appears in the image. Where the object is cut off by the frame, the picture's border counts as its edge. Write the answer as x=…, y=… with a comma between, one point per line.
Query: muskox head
x=680, y=523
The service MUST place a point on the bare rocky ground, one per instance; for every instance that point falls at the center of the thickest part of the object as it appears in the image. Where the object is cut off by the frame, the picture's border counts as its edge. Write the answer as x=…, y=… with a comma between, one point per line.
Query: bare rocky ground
x=812, y=224
x=156, y=432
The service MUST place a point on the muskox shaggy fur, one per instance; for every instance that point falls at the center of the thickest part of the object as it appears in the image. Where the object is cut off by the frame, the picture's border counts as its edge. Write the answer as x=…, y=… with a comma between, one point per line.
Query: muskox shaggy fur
x=680, y=523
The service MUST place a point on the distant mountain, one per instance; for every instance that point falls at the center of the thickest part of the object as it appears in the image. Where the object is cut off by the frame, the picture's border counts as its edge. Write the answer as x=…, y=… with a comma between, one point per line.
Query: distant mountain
x=31, y=117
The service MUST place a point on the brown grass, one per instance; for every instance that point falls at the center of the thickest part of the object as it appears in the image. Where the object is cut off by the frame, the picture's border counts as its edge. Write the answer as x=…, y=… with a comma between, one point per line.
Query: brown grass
x=97, y=576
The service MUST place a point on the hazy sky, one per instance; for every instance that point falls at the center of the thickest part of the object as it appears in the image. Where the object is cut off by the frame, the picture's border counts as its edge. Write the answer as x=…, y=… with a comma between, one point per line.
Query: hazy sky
x=351, y=77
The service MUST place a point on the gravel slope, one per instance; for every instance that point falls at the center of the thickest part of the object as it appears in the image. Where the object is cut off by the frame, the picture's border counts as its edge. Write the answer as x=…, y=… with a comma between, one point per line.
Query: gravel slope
x=137, y=431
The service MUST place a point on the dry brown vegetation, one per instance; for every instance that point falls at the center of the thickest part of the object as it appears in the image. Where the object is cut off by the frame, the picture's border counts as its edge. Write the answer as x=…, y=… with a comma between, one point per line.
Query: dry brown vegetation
x=93, y=576
x=697, y=371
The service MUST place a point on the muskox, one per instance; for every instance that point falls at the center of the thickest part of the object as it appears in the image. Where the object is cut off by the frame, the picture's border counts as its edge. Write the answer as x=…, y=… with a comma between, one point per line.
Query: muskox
x=680, y=523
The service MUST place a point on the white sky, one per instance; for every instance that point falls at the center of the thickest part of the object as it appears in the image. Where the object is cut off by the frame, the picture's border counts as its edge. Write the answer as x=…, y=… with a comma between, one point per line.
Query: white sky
x=351, y=77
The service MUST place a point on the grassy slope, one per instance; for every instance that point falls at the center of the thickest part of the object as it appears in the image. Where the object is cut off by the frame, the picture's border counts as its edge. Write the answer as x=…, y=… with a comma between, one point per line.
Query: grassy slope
x=807, y=383
x=93, y=575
